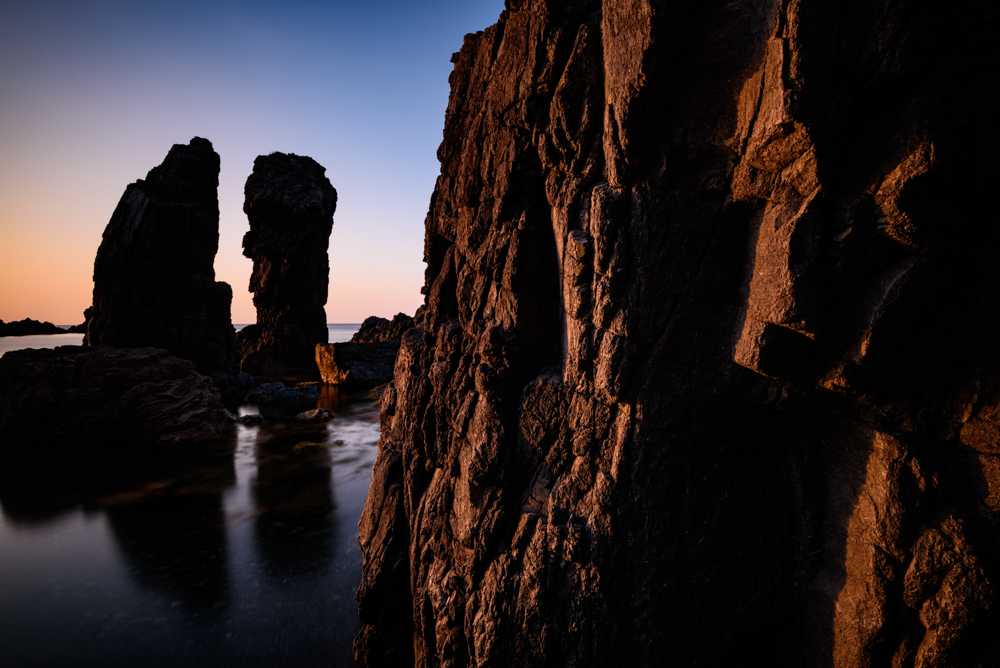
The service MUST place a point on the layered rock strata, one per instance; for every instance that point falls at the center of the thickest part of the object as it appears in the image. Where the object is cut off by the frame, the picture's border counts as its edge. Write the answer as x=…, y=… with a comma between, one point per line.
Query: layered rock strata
x=154, y=276
x=290, y=204
x=74, y=397
x=707, y=372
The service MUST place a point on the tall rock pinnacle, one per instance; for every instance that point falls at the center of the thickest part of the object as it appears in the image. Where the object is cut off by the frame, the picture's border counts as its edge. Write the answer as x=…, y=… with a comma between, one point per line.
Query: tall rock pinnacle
x=290, y=204
x=708, y=373
x=154, y=279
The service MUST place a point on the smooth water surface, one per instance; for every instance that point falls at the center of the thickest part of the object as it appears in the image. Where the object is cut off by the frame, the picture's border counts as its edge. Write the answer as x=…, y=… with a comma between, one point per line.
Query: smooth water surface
x=241, y=554
x=339, y=332
x=8, y=343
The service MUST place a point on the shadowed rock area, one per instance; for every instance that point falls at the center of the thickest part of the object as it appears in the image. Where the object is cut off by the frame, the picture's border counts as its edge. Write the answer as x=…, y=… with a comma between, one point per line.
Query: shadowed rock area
x=707, y=373
x=72, y=397
x=368, y=363
x=290, y=204
x=154, y=276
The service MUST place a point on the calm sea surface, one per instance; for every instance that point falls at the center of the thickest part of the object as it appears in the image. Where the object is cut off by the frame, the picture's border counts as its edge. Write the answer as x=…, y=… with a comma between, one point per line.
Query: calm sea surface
x=242, y=555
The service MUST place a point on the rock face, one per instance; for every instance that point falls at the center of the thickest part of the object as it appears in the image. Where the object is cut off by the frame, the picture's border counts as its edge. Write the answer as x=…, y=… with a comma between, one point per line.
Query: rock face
x=369, y=363
x=707, y=373
x=375, y=328
x=290, y=204
x=76, y=396
x=154, y=277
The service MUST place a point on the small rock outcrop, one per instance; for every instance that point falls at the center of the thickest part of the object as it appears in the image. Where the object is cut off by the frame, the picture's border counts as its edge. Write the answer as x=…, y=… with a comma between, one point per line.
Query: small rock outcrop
x=290, y=204
x=369, y=363
x=28, y=327
x=375, y=328
x=154, y=276
x=370, y=356
x=708, y=373
x=77, y=396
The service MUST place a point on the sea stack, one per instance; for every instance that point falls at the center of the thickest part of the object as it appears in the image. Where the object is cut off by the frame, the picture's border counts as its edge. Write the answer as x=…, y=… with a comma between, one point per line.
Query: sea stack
x=290, y=204
x=154, y=276
x=708, y=371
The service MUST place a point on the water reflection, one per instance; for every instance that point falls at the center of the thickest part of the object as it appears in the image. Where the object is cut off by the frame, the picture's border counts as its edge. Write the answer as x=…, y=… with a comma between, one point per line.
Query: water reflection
x=176, y=546
x=295, y=519
x=245, y=555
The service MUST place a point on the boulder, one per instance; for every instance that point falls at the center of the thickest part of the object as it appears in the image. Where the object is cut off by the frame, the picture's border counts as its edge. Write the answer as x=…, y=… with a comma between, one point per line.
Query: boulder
x=356, y=363
x=79, y=396
x=707, y=373
x=154, y=276
x=276, y=398
x=290, y=204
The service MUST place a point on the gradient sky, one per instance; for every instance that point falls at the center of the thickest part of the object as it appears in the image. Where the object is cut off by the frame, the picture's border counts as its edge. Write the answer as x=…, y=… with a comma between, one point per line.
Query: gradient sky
x=94, y=93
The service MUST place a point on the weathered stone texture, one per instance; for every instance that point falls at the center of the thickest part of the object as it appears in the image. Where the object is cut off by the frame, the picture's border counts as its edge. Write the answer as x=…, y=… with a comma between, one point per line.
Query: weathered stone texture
x=154, y=276
x=706, y=373
x=290, y=204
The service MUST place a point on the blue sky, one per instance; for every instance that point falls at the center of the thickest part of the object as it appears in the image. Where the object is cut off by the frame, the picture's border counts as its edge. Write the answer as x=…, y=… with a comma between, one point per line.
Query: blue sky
x=94, y=93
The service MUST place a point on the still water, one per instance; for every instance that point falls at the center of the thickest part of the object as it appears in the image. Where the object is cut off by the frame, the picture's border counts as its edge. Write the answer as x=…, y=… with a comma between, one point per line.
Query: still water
x=243, y=554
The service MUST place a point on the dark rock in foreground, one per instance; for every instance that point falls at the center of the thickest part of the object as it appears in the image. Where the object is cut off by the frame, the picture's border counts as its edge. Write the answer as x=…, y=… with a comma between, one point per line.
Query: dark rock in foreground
x=74, y=396
x=154, y=276
x=290, y=204
x=28, y=327
x=356, y=363
x=375, y=329
x=708, y=373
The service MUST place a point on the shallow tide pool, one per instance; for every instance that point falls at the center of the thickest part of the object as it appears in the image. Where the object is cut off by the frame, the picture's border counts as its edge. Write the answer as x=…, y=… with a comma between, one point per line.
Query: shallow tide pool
x=241, y=554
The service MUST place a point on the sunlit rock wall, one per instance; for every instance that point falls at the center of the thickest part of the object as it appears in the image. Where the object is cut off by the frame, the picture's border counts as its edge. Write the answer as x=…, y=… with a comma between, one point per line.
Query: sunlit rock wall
x=708, y=371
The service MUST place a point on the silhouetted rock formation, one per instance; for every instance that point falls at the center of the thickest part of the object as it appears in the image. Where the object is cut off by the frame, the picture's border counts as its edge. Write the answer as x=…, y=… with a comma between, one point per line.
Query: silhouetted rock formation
x=708, y=373
x=76, y=396
x=154, y=277
x=82, y=327
x=290, y=204
x=375, y=328
x=28, y=327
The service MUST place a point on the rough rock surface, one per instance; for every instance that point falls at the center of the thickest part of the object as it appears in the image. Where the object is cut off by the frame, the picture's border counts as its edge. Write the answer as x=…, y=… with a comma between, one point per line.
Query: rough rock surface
x=75, y=396
x=154, y=276
x=375, y=329
x=369, y=363
x=29, y=327
x=290, y=204
x=708, y=371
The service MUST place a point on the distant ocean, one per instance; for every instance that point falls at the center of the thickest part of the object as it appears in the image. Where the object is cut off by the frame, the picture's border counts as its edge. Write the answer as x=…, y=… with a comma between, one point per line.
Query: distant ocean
x=339, y=333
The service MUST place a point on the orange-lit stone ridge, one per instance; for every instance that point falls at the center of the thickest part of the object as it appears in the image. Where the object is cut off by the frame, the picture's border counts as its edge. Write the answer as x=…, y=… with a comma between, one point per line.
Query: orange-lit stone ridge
x=707, y=372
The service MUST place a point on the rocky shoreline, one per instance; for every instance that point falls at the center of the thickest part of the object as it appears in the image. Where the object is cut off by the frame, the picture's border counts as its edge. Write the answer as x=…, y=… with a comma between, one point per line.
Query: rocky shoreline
x=29, y=327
